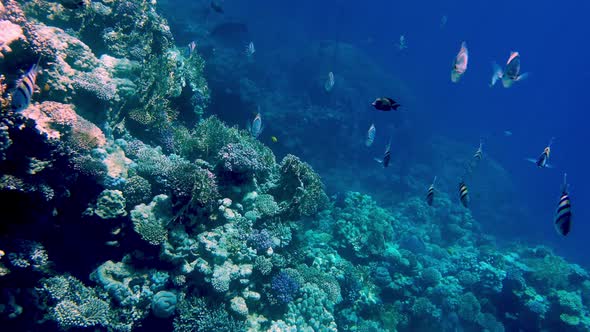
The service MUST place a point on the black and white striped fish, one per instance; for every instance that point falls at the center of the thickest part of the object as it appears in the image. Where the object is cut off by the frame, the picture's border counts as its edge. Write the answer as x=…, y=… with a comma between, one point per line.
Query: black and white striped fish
x=430, y=193
x=25, y=87
x=463, y=194
x=386, y=156
x=563, y=215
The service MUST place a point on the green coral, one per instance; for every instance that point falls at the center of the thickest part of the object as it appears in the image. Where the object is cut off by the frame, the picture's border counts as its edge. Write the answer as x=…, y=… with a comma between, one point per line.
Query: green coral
x=150, y=221
x=110, y=204
x=300, y=188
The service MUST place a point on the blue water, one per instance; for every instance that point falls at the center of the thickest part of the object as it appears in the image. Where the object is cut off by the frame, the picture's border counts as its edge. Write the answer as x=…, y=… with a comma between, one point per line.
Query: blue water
x=551, y=102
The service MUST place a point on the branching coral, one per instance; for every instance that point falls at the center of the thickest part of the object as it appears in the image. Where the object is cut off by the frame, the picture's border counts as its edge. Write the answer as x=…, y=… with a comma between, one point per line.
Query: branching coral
x=150, y=221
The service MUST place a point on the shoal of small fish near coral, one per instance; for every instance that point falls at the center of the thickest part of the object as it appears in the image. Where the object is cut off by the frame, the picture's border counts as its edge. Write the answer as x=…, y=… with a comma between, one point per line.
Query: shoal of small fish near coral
x=22, y=94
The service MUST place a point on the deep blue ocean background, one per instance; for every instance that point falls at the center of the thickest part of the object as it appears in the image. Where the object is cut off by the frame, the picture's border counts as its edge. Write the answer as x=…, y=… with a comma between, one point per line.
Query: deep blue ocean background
x=550, y=103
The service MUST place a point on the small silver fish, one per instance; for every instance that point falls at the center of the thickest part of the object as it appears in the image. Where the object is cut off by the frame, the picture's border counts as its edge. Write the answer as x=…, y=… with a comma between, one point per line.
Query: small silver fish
x=25, y=87
x=563, y=214
x=329, y=82
x=250, y=50
x=402, y=44
x=479, y=153
x=371, y=135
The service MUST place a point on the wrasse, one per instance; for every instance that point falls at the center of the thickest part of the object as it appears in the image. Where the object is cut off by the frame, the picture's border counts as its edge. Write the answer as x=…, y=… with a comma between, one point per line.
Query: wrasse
x=370, y=135
x=460, y=64
x=430, y=193
x=463, y=194
x=25, y=87
x=563, y=215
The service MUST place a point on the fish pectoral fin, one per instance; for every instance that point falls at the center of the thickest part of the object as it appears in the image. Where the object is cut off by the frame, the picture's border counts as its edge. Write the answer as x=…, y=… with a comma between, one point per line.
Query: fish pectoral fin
x=532, y=160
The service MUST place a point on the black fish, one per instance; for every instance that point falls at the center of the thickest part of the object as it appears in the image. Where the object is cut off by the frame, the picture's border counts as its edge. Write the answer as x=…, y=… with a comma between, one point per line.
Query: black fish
x=72, y=4
x=463, y=194
x=385, y=104
x=216, y=6
x=563, y=215
x=430, y=193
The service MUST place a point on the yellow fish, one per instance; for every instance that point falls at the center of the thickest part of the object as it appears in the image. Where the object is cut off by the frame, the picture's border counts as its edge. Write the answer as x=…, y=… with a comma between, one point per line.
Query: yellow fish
x=274, y=139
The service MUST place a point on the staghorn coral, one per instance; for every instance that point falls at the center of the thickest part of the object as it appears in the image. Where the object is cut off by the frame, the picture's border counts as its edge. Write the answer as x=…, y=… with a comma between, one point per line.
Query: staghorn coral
x=194, y=314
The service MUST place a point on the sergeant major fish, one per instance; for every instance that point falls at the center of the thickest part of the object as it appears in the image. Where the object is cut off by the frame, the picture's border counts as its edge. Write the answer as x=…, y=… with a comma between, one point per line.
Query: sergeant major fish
x=430, y=193
x=386, y=156
x=463, y=194
x=511, y=72
x=370, y=135
x=563, y=215
x=25, y=87
x=460, y=64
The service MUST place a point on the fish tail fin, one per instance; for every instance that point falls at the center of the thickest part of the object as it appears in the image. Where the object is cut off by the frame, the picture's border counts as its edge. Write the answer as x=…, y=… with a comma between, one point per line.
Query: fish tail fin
x=497, y=74
x=522, y=76
x=564, y=186
x=378, y=160
x=434, y=181
x=532, y=160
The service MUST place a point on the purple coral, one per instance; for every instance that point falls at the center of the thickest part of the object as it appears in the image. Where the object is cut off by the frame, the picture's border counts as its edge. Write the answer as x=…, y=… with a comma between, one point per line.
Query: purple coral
x=284, y=287
x=261, y=240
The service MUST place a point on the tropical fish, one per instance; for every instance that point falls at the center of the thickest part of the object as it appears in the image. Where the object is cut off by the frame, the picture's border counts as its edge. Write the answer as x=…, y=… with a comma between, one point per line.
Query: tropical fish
x=329, y=82
x=255, y=127
x=274, y=139
x=216, y=6
x=507, y=133
x=250, y=50
x=370, y=135
x=25, y=87
x=460, y=64
x=386, y=156
x=385, y=104
x=72, y=4
x=563, y=215
x=430, y=193
x=463, y=194
x=192, y=46
x=543, y=160
x=402, y=43
x=479, y=153
x=511, y=72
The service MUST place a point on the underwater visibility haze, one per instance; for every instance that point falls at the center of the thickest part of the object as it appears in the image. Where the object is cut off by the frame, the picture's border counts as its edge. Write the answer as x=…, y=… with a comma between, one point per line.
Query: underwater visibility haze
x=226, y=165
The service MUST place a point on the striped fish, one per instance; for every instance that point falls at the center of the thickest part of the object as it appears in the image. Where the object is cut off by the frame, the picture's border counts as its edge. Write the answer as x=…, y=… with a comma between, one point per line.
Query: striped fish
x=463, y=194
x=430, y=193
x=386, y=156
x=563, y=215
x=25, y=87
